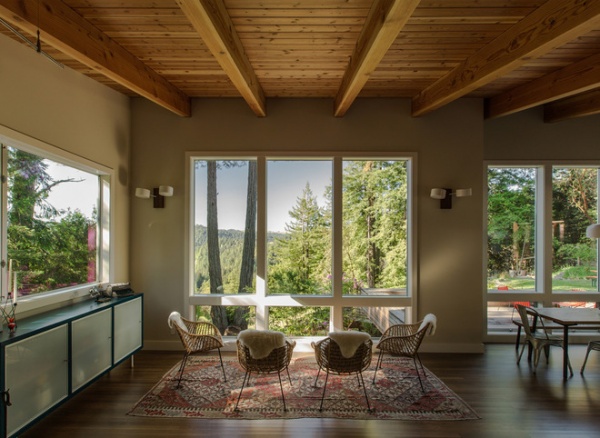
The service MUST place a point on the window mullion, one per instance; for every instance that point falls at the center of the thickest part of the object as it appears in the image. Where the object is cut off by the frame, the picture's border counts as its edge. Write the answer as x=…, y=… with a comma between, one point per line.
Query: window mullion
x=337, y=236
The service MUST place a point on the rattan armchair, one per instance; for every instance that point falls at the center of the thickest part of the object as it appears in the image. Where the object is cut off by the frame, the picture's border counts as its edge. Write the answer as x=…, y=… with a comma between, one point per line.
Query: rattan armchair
x=196, y=337
x=540, y=339
x=274, y=359
x=404, y=340
x=335, y=359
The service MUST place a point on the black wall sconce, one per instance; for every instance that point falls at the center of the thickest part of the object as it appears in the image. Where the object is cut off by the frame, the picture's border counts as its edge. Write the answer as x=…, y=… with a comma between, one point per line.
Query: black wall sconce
x=158, y=194
x=445, y=196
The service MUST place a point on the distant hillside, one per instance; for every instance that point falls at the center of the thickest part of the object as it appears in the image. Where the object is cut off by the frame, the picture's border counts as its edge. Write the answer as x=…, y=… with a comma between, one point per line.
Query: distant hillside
x=231, y=243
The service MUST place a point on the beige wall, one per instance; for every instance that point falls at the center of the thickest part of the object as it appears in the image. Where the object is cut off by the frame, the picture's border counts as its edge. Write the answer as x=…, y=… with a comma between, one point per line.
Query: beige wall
x=72, y=112
x=525, y=136
x=449, y=146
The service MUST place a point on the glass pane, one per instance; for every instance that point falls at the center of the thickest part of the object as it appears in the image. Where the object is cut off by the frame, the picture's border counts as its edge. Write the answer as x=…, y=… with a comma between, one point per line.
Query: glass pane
x=500, y=316
x=52, y=217
x=588, y=304
x=225, y=227
x=300, y=321
x=299, y=227
x=373, y=320
x=511, y=228
x=574, y=201
x=230, y=320
x=375, y=255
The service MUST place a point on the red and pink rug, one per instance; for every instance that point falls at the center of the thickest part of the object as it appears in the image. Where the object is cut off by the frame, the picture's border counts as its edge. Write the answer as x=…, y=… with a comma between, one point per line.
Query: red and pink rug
x=396, y=395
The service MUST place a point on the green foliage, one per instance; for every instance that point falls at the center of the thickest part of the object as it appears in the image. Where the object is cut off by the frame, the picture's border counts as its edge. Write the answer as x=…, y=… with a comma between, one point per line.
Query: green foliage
x=300, y=321
x=511, y=218
x=50, y=247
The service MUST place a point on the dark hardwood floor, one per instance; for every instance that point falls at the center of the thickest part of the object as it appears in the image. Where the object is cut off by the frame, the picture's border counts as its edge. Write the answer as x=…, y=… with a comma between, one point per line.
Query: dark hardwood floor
x=510, y=399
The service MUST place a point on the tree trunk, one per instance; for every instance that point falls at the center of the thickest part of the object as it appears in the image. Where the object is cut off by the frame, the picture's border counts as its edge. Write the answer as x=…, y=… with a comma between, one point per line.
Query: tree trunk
x=218, y=314
x=247, y=268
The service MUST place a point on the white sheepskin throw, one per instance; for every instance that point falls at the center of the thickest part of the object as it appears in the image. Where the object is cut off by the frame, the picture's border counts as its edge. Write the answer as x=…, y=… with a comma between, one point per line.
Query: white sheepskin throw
x=430, y=318
x=175, y=318
x=260, y=343
x=349, y=341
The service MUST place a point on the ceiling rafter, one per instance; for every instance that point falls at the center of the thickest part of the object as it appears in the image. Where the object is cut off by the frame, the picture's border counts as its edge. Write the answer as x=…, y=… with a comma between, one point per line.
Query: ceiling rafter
x=65, y=30
x=212, y=22
x=554, y=23
x=585, y=104
x=385, y=21
x=575, y=78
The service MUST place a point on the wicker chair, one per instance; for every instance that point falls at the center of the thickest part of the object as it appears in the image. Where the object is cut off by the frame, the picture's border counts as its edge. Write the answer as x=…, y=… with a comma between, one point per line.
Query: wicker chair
x=332, y=359
x=275, y=361
x=196, y=337
x=592, y=345
x=539, y=339
x=404, y=340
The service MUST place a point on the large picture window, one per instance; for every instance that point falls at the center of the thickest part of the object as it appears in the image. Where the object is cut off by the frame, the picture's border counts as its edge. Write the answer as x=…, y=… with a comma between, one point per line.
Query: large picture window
x=538, y=252
x=52, y=223
x=301, y=245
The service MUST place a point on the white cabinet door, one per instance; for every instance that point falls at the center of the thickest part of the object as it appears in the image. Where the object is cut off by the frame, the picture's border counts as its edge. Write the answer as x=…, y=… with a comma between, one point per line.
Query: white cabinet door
x=36, y=375
x=128, y=328
x=91, y=347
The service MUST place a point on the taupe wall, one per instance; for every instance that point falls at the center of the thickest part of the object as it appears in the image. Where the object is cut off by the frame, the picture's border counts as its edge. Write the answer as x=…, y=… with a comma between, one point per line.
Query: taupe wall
x=449, y=144
x=74, y=113
x=525, y=136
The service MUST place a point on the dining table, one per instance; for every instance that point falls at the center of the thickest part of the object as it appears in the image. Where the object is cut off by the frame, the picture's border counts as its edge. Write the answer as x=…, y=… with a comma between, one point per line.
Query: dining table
x=569, y=318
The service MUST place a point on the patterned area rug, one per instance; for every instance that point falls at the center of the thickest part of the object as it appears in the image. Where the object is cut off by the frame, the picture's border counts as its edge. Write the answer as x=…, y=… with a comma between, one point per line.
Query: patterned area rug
x=396, y=395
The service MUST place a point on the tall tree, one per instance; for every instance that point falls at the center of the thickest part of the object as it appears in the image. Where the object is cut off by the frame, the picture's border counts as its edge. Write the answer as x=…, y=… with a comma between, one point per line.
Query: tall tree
x=299, y=256
x=218, y=313
x=247, y=266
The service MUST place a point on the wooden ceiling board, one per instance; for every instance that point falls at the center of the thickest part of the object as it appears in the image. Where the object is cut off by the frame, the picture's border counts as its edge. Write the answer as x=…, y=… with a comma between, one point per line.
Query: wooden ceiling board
x=311, y=48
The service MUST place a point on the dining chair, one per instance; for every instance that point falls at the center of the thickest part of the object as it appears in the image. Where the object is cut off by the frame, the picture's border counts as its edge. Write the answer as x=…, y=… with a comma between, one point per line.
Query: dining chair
x=592, y=345
x=404, y=340
x=196, y=337
x=538, y=339
x=263, y=352
x=341, y=353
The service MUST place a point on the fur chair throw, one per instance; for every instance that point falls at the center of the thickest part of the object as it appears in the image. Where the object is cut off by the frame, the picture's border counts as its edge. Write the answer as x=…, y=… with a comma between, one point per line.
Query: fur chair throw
x=175, y=318
x=430, y=318
x=261, y=342
x=349, y=341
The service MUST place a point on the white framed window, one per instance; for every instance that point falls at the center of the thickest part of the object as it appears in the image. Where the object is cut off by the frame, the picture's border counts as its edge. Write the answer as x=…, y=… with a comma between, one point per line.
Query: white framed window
x=537, y=250
x=55, y=222
x=301, y=244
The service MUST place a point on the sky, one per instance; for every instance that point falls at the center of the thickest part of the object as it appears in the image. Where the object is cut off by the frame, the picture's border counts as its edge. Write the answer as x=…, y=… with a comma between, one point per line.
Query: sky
x=73, y=194
x=286, y=181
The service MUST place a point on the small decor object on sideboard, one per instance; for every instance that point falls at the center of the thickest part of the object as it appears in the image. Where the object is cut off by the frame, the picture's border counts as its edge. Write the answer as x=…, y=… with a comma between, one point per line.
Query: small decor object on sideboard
x=101, y=292
x=8, y=307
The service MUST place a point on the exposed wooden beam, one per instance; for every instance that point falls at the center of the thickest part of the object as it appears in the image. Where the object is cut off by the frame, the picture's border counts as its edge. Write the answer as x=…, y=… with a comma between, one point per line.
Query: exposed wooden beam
x=584, y=104
x=573, y=79
x=385, y=21
x=554, y=23
x=213, y=24
x=64, y=29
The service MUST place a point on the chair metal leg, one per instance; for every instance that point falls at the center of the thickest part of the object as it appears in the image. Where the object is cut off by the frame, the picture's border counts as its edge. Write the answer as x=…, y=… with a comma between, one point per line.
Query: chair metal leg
x=182, y=367
x=418, y=374
x=589, y=348
x=377, y=365
x=222, y=367
x=281, y=387
x=317, y=378
x=361, y=379
x=246, y=380
x=324, y=388
x=289, y=377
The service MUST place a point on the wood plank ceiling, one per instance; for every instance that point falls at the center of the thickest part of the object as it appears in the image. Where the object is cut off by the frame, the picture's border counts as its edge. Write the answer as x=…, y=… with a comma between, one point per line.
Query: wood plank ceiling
x=516, y=54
